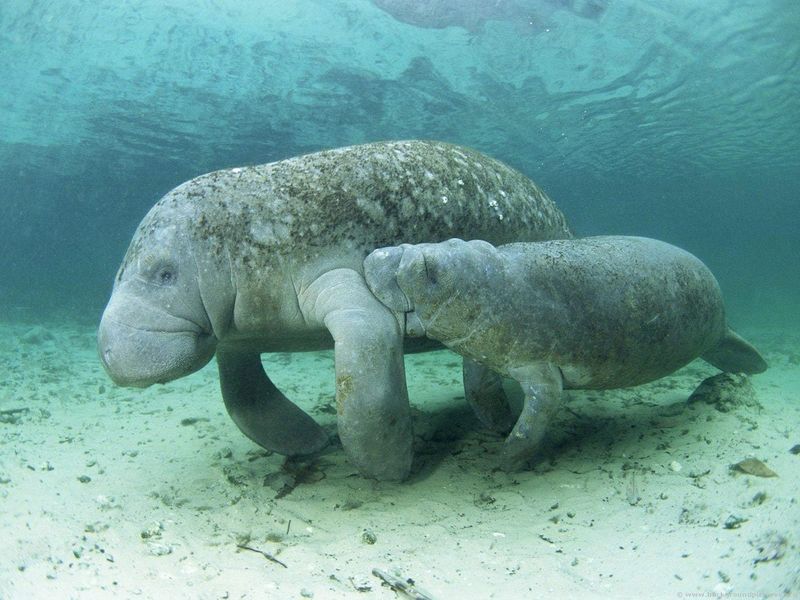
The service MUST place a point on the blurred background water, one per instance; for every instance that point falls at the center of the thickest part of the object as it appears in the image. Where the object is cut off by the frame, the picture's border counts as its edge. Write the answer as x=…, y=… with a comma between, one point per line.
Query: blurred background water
x=674, y=119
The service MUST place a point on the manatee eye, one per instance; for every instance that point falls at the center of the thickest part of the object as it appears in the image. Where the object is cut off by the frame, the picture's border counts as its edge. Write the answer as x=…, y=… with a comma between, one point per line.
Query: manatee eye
x=166, y=275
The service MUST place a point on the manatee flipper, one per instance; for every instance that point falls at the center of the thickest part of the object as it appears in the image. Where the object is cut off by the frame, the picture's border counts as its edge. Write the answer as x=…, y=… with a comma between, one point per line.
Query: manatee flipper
x=261, y=411
x=484, y=391
x=734, y=354
x=542, y=386
x=374, y=416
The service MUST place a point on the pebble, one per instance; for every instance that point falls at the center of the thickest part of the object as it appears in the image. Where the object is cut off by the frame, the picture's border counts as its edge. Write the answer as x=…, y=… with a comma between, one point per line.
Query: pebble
x=158, y=549
x=154, y=531
x=368, y=537
x=105, y=502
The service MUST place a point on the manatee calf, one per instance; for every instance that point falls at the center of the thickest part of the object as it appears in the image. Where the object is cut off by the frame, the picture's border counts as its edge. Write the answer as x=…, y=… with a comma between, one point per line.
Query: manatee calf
x=270, y=258
x=592, y=313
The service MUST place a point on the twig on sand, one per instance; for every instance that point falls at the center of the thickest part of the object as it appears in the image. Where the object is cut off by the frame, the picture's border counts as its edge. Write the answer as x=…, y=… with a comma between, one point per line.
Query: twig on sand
x=405, y=585
x=266, y=555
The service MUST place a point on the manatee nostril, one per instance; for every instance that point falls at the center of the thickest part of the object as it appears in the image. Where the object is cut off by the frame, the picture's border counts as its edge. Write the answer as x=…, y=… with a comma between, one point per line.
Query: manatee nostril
x=430, y=270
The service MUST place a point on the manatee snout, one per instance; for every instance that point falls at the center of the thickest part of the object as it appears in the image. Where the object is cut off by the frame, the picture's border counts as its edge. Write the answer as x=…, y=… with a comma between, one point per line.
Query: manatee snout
x=399, y=276
x=140, y=346
x=410, y=275
x=429, y=273
x=417, y=271
x=416, y=281
x=380, y=271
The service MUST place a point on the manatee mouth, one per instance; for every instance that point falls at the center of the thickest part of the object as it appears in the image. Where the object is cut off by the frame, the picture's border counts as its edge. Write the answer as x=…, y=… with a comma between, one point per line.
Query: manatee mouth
x=139, y=357
x=169, y=324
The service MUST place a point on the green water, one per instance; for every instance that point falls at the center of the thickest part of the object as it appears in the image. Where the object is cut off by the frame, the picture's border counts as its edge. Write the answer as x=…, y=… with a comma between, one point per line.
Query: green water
x=674, y=120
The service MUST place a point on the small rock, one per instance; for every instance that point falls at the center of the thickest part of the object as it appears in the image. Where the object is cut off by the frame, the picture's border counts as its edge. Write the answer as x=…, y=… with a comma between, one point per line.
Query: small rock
x=795, y=449
x=733, y=522
x=726, y=391
x=235, y=475
x=771, y=545
x=675, y=466
x=223, y=453
x=306, y=593
x=352, y=504
x=13, y=416
x=280, y=481
x=158, y=549
x=152, y=532
x=105, y=502
x=95, y=527
x=368, y=537
x=484, y=499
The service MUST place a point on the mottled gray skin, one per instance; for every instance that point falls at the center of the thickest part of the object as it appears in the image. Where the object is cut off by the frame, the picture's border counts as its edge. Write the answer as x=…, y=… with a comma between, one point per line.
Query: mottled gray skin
x=270, y=258
x=593, y=313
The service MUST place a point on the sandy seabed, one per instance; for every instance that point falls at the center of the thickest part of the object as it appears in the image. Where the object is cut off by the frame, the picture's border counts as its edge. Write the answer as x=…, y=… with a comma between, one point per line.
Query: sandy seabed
x=115, y=493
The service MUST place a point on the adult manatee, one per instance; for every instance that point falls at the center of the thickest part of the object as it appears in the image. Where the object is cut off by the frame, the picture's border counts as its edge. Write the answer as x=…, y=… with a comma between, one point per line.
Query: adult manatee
x=270, y=258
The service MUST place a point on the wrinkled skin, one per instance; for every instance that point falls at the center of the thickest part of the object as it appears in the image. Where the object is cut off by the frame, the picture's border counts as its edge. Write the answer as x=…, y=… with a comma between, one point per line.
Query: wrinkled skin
x=156, y=327
x=593, y=313
x=270, y=259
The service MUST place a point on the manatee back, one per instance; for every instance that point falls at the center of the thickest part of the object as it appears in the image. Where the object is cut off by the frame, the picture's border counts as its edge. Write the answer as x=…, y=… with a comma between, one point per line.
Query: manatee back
x=609, y=311
x=348, y=201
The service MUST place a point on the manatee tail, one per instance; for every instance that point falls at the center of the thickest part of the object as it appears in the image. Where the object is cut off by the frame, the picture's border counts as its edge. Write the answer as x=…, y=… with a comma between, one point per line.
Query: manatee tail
x=733, y=354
